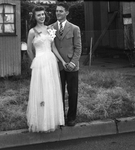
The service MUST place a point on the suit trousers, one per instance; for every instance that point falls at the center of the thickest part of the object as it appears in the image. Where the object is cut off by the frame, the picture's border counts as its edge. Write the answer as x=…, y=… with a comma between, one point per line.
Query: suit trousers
x=71, y=80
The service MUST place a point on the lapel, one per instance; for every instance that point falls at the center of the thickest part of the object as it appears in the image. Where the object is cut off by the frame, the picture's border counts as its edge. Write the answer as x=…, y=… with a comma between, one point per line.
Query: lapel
x=66, y=30
x=57, y=30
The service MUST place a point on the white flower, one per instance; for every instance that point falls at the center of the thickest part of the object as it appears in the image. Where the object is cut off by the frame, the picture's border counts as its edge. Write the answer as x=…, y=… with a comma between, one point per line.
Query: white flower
x=52, y=32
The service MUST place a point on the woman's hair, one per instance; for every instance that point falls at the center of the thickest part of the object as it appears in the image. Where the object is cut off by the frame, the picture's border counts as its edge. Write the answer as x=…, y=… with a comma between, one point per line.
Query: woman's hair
x=33, y=21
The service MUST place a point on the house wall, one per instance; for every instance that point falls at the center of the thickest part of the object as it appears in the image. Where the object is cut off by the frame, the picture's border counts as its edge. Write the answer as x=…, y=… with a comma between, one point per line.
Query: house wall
x=129, y=24
x=104, y=20
x=10, y=53
x=133, y=20
x=89, y=19
x=96, y=20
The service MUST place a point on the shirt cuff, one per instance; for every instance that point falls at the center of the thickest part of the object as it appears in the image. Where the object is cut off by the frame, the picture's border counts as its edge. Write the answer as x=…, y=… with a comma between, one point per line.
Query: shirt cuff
x=73, y=64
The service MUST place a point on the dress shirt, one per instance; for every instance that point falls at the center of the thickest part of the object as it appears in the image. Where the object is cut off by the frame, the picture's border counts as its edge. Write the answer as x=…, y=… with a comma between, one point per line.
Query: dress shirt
x=63, y=24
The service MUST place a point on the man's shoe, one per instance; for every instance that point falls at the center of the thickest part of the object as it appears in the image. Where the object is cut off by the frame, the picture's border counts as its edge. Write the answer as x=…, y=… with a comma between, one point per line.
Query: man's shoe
x=71, y=123
x=65, y=121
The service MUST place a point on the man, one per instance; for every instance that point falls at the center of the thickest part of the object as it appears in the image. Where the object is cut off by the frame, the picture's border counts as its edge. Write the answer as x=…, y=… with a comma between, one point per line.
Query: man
x=68, y=43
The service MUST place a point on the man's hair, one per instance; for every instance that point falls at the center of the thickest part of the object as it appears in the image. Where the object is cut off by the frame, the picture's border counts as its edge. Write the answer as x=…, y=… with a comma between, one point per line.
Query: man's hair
x=63, y=4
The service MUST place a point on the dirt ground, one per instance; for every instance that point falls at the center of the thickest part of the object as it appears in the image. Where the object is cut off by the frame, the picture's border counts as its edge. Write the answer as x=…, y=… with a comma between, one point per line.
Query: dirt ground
x=116, y=63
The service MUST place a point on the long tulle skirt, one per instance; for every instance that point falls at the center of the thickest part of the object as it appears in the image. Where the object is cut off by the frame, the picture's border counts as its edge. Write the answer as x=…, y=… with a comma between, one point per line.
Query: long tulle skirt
x=45, y=107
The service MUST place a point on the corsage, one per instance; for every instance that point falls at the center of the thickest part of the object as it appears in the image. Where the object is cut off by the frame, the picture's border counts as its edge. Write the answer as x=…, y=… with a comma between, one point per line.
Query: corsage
x=52, y=32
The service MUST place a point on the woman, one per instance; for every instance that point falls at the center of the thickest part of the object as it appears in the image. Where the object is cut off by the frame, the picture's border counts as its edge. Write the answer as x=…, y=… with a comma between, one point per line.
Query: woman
x=45, y=107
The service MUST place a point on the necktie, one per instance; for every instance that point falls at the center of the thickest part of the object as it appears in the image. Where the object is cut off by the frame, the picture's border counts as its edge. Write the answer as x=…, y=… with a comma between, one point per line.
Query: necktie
x=61, y=29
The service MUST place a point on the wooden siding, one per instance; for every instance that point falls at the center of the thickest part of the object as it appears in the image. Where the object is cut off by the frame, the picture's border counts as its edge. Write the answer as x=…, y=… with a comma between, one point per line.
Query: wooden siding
x=97, y=20
x=10, y=53
x=104, y=21
x=126, y=8
x=133, y=19
x=89, y=26
x=97, y=17
x=112, y=33
x=114, y=36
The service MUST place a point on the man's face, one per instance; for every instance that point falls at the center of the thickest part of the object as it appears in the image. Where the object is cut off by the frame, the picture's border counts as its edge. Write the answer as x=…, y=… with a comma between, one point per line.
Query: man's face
x=61, y=13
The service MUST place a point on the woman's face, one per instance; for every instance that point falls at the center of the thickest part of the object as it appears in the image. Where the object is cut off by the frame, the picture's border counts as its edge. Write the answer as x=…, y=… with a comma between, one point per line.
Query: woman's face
x=40, y=16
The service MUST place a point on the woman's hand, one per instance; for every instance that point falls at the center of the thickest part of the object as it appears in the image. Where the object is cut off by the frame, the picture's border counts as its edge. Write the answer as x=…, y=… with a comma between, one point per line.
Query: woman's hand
x=64, y=64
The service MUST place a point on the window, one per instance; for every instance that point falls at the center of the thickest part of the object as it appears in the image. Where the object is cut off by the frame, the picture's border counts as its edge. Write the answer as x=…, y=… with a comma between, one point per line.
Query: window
x=7, y=19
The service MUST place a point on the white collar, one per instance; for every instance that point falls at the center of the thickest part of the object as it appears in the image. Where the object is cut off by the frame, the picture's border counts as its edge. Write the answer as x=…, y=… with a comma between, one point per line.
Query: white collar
x=63, y=23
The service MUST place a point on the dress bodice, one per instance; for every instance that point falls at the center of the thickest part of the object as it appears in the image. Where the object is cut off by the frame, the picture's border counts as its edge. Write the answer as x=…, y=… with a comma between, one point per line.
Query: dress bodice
x=42, y=43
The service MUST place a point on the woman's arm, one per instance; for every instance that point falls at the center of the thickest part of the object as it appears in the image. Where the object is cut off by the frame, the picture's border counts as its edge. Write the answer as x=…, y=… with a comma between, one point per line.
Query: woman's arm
x=55, y=51
x=29, y=44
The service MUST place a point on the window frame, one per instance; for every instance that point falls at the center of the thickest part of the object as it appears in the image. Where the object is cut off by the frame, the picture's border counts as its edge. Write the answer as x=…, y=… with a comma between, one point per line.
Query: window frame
x=14, y=20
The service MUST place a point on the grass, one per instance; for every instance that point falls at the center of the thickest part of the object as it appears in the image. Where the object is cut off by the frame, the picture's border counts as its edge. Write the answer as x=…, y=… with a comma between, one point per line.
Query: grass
x=105, y=95
x=13, y=104
x=102, y=95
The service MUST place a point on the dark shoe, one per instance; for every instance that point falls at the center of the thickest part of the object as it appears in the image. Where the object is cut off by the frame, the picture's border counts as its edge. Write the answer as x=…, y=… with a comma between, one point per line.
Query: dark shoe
x=61, y=126
x=71, y=123
x=65, y=121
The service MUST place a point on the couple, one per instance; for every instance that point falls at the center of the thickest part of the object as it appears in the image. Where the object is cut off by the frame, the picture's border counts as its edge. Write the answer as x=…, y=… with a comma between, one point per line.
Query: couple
x=55, y=64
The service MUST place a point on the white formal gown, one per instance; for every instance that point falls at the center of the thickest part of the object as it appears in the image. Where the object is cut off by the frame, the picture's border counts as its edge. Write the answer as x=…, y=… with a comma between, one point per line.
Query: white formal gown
x=45, y=107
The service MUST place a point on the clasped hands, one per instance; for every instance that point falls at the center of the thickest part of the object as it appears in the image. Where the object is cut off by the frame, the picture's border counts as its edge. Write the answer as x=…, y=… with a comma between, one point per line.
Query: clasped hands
x=68, y=66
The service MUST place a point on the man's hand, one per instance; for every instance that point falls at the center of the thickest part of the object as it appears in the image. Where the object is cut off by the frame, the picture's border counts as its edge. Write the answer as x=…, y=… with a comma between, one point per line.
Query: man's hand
x=70, y=66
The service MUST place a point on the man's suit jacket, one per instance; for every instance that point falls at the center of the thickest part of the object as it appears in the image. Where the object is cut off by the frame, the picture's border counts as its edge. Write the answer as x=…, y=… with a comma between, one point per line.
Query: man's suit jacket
x=69, y=44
